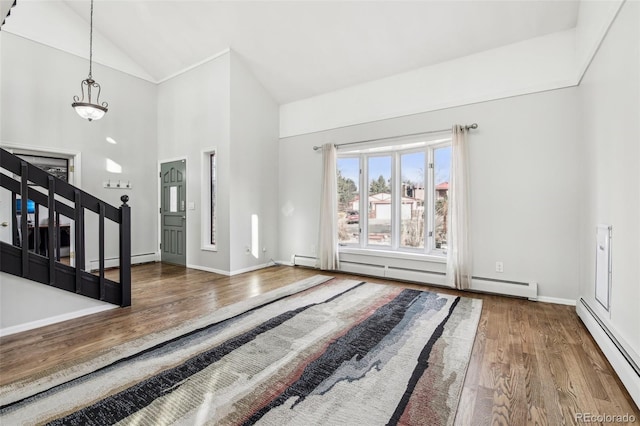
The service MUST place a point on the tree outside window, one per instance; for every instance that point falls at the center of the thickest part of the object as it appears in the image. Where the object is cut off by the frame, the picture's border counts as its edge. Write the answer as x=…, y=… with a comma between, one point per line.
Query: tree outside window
x=404, y=204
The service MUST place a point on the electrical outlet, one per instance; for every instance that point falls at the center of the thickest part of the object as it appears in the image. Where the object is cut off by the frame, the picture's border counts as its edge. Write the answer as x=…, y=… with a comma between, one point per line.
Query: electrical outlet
x=499, y=267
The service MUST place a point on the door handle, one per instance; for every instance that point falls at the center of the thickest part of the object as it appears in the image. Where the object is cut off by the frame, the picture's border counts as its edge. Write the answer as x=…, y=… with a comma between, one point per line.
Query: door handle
x=4, y=224
x=184, y=217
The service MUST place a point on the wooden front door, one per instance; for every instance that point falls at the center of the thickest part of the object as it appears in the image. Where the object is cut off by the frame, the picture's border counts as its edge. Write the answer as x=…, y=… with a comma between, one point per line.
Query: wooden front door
x=173, y=213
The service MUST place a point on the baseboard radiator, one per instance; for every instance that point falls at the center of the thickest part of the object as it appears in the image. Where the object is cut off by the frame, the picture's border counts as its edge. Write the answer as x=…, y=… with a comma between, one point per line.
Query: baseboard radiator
x=527, y=290
x=624, y=360
x=308, y=261
x=94, y=265
x=422, y=272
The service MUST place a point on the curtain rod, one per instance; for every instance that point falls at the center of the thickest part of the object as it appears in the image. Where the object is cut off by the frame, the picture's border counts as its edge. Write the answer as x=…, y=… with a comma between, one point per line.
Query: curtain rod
x=467, y=127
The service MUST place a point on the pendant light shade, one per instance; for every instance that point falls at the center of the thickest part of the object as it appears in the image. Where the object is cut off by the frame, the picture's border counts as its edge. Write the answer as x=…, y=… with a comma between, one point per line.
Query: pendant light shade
x=83, y=105
x=88, y=110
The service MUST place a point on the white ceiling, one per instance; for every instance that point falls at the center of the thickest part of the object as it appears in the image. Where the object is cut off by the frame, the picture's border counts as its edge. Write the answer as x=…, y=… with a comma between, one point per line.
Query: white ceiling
x=299, y=49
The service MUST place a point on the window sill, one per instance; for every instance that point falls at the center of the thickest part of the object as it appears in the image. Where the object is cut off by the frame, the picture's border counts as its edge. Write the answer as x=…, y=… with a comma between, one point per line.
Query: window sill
x=435, y=258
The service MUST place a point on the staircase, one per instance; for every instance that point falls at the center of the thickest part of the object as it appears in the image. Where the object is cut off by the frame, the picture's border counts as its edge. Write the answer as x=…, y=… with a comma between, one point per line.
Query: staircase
x=60, y=199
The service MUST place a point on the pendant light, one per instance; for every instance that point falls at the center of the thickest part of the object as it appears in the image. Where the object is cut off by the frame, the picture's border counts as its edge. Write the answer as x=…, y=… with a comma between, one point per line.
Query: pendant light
x=87, y=109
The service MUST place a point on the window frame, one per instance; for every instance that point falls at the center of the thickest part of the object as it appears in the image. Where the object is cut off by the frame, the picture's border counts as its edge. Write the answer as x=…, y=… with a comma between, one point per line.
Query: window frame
x=429, y=145
x=364, y=176
x=432, y=198
x=425, y=179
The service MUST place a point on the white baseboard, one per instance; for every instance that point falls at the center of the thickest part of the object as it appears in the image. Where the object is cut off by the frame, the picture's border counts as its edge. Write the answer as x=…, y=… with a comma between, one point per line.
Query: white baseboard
x=208, y=269
x=557, y=300
x=114, y=262
x=249, y=269
x=612, y=350
x=227, y=273
x=52, y=320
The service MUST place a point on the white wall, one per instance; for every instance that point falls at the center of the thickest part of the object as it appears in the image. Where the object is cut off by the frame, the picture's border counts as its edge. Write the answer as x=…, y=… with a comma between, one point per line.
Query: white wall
x=37, y=87
x=538, y=64
x=524, y=176
x=221, y=105
x=55, y=24
x=610, y=108
x=594, y=19
x=26, y=304
x=543, y=63
x=254, y=162
x=193, y=115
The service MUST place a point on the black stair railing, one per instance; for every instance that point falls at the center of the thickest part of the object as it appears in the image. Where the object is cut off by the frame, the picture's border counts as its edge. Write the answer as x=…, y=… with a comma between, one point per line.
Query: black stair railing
x=44, y=265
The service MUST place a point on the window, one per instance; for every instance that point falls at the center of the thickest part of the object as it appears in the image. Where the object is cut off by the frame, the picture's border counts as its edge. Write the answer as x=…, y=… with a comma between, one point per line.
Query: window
x=348, y=200
x=208, y=199
x=212, y=198
x=379, y=200
x=59, y=167
x=441, y=174
x=412, y=230
x=394, y=195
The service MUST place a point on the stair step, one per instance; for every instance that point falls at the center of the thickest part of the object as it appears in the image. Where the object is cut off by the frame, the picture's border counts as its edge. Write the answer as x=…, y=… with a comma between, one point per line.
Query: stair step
x=65, y=275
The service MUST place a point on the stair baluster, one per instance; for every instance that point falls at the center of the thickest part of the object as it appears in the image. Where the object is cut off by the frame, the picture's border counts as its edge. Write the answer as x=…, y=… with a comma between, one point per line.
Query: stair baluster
x=44, y=267
x=125, y=251
x=24, y=221
x=51, y=207
x=101, y=249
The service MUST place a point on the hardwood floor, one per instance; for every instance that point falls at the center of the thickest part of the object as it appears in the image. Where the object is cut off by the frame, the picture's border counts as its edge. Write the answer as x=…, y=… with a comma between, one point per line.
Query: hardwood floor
x=532, y=363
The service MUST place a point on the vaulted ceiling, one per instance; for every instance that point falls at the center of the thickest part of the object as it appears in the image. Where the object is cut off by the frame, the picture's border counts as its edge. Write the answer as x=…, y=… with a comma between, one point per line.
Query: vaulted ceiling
x=297, y=49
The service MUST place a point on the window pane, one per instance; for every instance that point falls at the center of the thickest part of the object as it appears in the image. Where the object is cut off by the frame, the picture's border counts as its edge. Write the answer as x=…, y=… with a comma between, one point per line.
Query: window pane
x=59, y=167
x=441, y=177
x=379, y=203
x=412, y=210
x=212, y=172
x=173, y=199
x=348, y=200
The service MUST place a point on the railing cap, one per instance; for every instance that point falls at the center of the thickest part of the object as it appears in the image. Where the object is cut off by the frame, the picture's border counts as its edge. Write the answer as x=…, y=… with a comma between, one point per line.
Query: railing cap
x=124, y=199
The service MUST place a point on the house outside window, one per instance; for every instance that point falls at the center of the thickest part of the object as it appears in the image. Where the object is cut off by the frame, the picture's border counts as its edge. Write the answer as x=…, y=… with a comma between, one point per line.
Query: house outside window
x=394, y=196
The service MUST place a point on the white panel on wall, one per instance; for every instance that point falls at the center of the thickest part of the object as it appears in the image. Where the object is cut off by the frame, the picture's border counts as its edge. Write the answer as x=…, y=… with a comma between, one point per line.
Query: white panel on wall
x=603, y=265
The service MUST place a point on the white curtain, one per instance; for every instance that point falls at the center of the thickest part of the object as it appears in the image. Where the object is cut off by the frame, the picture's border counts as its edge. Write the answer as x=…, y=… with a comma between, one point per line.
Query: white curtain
x=328, y=237
x=458, y=238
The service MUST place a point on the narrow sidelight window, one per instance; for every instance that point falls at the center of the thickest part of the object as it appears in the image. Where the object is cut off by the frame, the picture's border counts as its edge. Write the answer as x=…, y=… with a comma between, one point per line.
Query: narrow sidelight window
x=212, y=190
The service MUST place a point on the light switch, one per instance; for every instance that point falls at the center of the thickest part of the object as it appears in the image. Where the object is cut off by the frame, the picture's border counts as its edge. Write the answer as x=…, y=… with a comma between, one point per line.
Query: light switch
x=192, y=205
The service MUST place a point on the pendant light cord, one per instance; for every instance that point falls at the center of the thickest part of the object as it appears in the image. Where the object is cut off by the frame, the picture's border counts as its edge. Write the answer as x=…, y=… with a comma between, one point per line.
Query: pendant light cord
x=91, y=41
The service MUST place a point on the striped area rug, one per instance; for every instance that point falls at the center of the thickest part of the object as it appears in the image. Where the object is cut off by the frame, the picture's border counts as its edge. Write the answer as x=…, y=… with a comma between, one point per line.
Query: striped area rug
x=318, y=352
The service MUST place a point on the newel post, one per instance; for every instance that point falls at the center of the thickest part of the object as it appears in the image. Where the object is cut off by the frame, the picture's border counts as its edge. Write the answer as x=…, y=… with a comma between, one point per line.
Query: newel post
x=125, y=251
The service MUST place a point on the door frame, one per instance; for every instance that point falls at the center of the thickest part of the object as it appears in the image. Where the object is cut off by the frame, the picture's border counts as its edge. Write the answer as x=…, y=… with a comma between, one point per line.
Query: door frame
x=75, y=176
x=159, y=205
